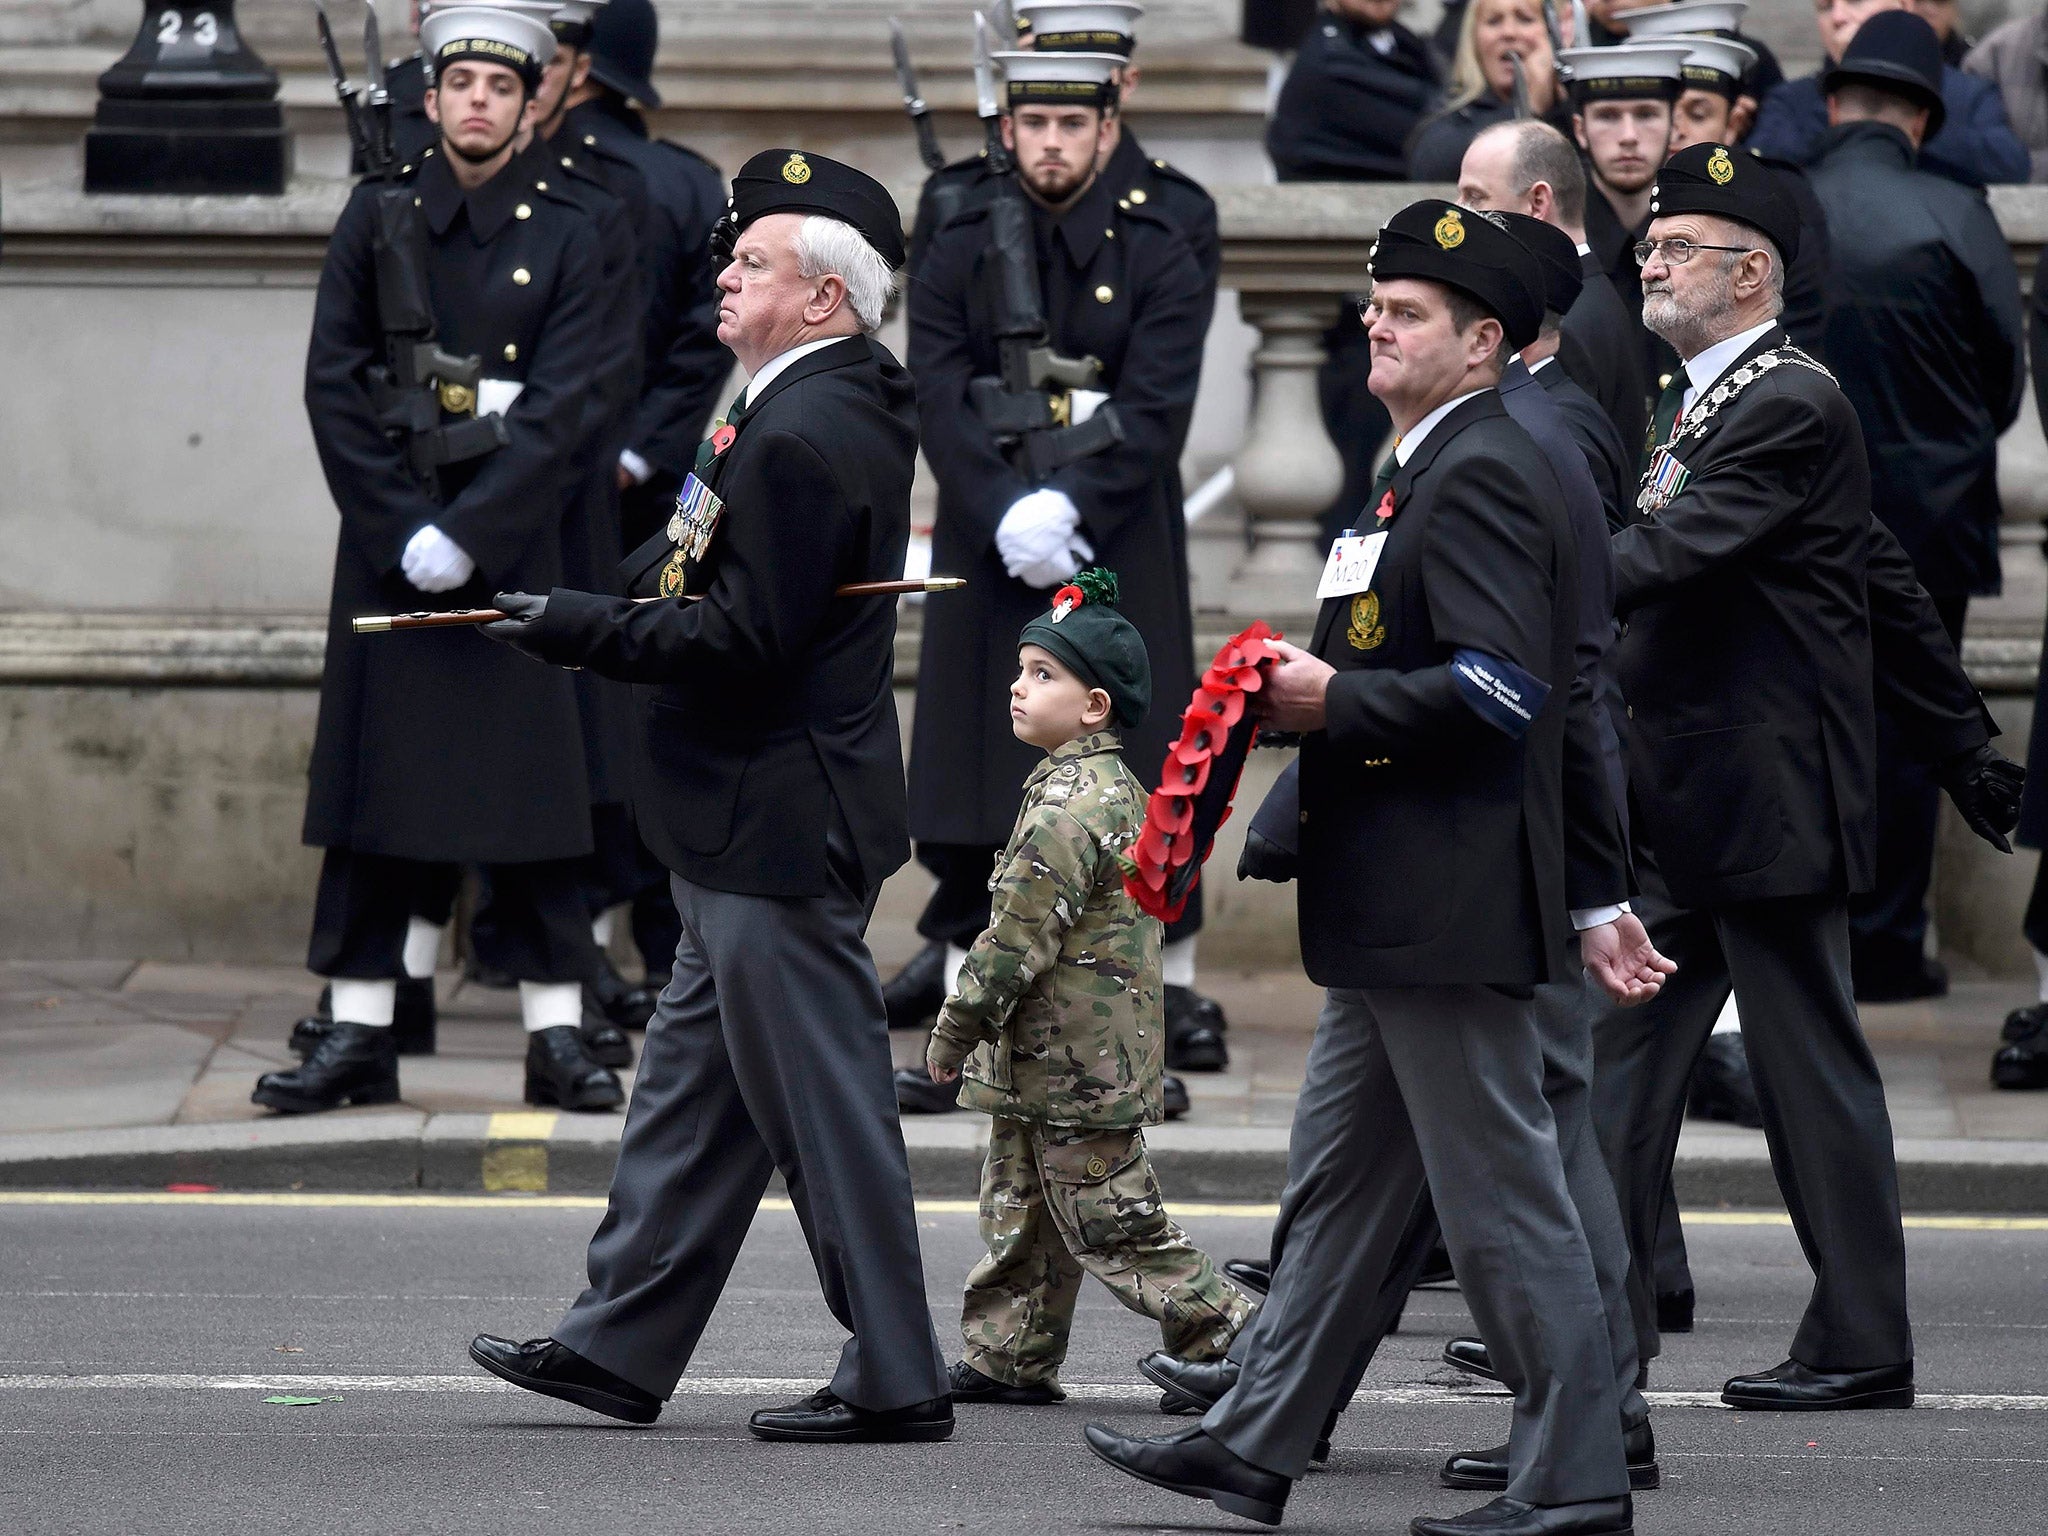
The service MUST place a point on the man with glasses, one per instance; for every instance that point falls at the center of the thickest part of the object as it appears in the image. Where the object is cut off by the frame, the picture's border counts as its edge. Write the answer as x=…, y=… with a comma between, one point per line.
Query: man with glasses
x=1750, y=585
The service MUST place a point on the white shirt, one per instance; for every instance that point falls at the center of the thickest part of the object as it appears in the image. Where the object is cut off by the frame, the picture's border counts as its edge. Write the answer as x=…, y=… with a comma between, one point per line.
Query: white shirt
x=1404, y=450
x=1585, y=249
x=1582, y=917
x=1545, y=363
x=780, y=362
x=1704, y=369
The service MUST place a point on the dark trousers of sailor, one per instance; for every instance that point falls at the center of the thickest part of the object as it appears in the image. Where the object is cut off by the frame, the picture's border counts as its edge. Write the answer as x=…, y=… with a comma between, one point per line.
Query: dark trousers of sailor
x=957, y=911
x=1825, y=1121
x=365, y=901
x=1888, y=925
x=769, y=1051
x=1564, y=1015
x=1437, y=1088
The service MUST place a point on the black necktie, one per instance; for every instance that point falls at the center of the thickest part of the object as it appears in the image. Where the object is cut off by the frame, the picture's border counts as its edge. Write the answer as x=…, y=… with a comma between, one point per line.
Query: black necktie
x=706, y=450
x=1668, y=410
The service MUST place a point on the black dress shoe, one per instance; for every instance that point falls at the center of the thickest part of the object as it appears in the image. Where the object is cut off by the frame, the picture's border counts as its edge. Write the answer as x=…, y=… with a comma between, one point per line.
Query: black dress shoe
x=822, y=1416
x=917, y=1094
x=559, y=1071
x=1201, y=1382
x=1174, y=1092
x=1795, y=1387
x=603, y=1041
x=555, y=1370
x=1194, y=1032
x=972, y=1386
x=352, y=1064
x=1904, y=980
x=1488, y=1470
x=914, y=995
x=1250, y=1274
x=1197, y=1465
x=1471, y=1357
x=1674, y=1311
x=1722, y=1088
x=622, y=1003
x=2022, y=1065
x=2022, y=1023
x=1511, y=1517
x=413, y=1020
x=1436, y=1269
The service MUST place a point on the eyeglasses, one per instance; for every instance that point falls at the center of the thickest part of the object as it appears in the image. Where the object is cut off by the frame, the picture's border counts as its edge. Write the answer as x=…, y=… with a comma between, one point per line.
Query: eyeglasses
x=1677, y=253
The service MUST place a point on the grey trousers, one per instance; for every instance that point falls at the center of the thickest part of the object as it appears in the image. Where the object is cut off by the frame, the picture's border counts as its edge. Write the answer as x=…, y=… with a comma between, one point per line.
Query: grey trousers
x=1436, y=1088
x=769, y=1050
x=1825, y=1121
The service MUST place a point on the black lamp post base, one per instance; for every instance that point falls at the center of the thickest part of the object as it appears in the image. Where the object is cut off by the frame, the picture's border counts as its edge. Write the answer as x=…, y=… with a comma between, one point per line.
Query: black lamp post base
x=185, y=147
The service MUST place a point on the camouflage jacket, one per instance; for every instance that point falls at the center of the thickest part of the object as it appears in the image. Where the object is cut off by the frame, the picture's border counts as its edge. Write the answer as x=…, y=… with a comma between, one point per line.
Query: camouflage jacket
x=1061, y=998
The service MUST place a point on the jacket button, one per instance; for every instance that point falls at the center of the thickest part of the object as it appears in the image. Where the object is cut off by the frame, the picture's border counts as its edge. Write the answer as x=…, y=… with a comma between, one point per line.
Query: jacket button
x=511, y=352
x=523, y=211
x=1137, y=194
x=567, y=161
x=540, y=186
x=1304, y=818
x=1104, y=294
x=1629, y=710
x=1097, y=1167
x=521, y=276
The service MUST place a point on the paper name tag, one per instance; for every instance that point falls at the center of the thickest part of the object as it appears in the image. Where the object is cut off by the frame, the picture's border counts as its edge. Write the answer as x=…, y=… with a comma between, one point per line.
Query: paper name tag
x=1351, y=564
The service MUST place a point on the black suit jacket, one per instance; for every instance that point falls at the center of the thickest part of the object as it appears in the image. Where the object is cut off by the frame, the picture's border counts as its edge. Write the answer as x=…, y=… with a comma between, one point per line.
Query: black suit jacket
x=1600, y=347
x=1746, y=655
x=1435, y=847
x=769, y=703
x=1609, y=457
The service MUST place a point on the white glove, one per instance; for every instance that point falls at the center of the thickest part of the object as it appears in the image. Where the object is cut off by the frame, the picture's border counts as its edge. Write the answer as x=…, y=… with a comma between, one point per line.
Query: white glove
x=433, y=562
x=1061, y=567
x=1036, y=530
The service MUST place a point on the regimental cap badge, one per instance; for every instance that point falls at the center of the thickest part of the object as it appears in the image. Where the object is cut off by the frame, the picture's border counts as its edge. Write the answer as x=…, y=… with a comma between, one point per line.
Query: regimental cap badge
x=1450, y=230
x=1720, y=167
x=796, y=170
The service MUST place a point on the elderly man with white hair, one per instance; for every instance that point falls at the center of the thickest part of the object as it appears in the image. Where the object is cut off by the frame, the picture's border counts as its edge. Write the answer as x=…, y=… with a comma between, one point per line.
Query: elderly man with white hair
x=772, y=787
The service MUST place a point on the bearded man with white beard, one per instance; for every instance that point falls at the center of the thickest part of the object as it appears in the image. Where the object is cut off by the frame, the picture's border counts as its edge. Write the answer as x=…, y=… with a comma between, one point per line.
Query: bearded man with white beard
x=1749, y=586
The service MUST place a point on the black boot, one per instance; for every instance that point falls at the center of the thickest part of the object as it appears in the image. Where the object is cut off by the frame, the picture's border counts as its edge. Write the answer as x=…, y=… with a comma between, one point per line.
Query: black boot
x=972, y=1386
x=352, y=1064
x=2021, y=1063
x=914, y=995
x=1174, y=1093
x=1722, y=1088
x=604, y=1041
x=917, y=1094
x=559, y=1071
x=414, y=1020
x=622, y=1004
x=1194, y=1032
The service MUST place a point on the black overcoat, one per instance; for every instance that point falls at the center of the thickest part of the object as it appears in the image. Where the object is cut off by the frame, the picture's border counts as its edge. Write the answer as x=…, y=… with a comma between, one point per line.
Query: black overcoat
x=1121, y=284
x=440, y=744
x=1599, y=346
x=1925, y=335
x=1607, y=453
x=769, y=703
x=1746, y=652
x=1346, y=109
x=1435, y=847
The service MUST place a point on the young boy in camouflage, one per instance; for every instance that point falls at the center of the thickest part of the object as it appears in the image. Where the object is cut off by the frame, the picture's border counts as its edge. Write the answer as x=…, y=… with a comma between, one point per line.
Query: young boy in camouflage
x=1058, y=1022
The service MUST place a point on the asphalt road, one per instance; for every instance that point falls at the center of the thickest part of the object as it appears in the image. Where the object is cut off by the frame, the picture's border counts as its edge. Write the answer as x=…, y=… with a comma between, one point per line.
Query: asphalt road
x=141, y=1340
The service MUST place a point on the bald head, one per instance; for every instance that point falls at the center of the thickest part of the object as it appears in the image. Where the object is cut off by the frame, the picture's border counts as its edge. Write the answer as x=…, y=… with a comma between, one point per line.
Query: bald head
x=1526, y=167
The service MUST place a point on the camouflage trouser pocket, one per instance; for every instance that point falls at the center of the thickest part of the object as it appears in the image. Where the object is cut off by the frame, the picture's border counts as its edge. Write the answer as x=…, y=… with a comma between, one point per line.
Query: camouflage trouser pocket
x=1101, y=1187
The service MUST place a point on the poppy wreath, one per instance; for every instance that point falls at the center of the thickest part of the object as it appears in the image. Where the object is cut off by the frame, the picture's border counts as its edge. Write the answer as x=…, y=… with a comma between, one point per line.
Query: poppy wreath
x=1199, y=777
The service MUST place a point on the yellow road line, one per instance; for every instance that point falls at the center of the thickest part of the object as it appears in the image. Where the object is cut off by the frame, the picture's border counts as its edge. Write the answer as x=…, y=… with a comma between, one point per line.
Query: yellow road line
x=515, y=1156
x=1237, y=1211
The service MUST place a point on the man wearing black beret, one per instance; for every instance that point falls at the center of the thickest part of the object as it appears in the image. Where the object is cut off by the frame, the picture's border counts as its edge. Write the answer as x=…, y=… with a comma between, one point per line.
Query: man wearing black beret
x=1444, y=744
x=772, y=786
x=1751, y=582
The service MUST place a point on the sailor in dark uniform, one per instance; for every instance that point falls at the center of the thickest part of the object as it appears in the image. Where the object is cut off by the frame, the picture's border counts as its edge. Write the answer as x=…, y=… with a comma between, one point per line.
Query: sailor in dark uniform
x=431, y=752
x=1134, y=182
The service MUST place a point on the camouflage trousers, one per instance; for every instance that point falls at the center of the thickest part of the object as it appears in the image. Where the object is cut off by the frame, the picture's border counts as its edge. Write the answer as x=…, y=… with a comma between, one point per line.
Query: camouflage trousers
x=1057, y=1203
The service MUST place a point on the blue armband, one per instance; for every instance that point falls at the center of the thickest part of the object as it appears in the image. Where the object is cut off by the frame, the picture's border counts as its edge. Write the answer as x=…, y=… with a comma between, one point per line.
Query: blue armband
x=1500, y=693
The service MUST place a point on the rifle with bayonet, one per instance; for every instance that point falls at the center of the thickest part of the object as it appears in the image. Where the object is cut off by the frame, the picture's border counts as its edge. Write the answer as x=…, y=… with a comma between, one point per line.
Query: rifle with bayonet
x=914, y=106
x=417, y=381
x=1028, y=404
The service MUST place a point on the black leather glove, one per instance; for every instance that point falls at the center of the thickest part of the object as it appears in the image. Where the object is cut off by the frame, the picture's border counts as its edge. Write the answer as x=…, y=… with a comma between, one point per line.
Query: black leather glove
x=1986, y=786
x=1272, y=843
x=522, y=612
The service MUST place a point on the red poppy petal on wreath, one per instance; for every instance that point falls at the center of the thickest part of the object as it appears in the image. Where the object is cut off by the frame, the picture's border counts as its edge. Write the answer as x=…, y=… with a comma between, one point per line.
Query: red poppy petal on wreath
x=1192, y=748
x=1185, y=778
x=1231, y=710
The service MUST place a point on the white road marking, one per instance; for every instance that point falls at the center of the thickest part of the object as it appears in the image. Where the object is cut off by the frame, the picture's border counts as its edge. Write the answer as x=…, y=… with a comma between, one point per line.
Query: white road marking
x=784, y=1386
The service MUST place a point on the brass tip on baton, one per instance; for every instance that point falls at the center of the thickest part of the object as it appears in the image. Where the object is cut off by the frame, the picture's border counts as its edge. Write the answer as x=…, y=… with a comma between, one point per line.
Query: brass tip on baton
x=375, y=624
x=944, y=583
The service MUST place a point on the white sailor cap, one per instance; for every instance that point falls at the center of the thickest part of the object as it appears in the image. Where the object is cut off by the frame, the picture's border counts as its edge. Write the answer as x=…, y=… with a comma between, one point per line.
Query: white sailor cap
x=1060, y=79
x=1063, y=26
x=1685, y=18
x=570, y=20
x=1717, y=64
x=488, y=33
x=1626, y=72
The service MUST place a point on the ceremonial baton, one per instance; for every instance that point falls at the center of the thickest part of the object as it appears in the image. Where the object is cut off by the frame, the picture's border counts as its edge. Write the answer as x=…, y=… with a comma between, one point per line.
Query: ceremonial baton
x=386, y=623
